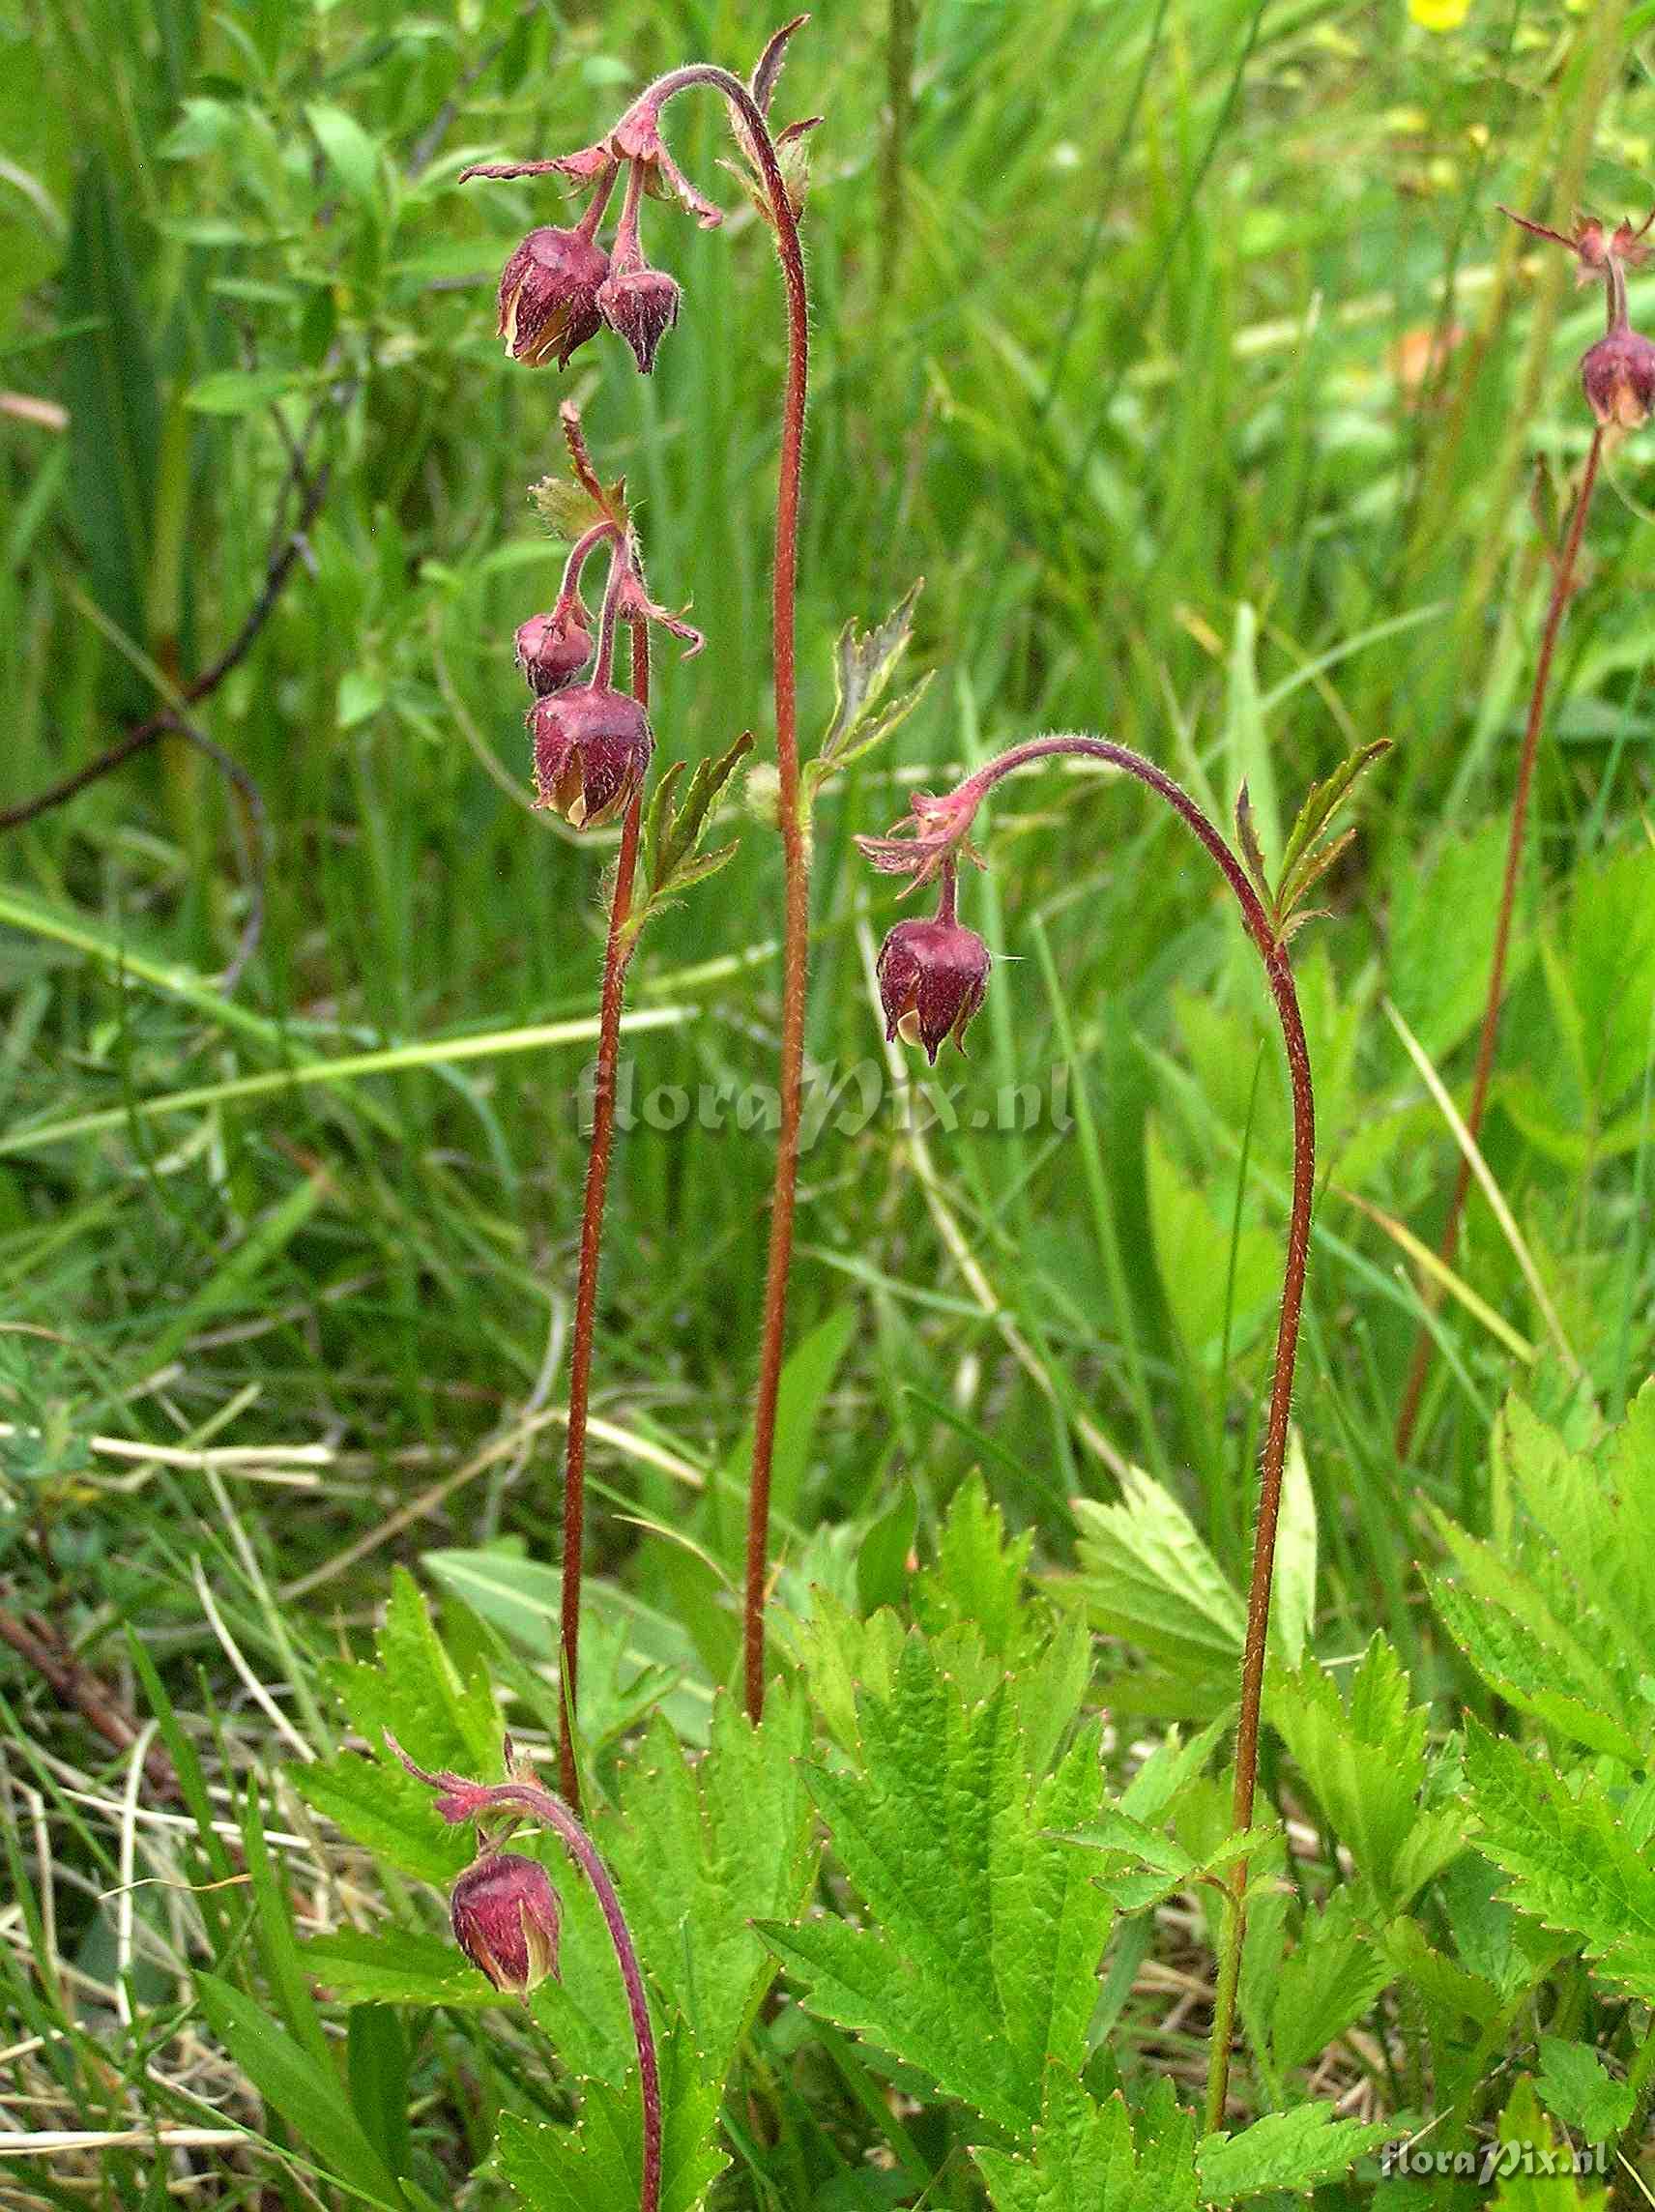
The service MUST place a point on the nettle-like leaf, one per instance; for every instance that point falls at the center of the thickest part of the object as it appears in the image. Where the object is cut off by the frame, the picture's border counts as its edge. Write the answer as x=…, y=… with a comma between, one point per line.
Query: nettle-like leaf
x=1092, y=2155
x=1569, y=1860
x=695, y=1846
x=596, y=2166
x=865, y=662
x=676, y=826
x=704, y=1847
x=1578, y=2089
x=978, y=1960
x=1558, y=1610
x=977, y=1575
x=1143, y=1867
x=444, y=1717
x=1327, y=1981
x=1364, y=1763
x=1147, y=1577
x=1293, y=2150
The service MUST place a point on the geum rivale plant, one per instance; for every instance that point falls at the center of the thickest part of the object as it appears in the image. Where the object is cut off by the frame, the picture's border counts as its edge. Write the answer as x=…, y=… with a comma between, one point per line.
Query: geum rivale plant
x=1617, y=377
x=933, y=976
x=559, y=289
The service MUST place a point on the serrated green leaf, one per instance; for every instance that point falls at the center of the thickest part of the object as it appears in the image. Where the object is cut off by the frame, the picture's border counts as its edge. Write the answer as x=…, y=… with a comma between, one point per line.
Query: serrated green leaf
x=1146, y=1576
x=1568, y=1860
x=1329, y=1979
x=568, y=509
x=702, y=1849
x=1578, y=2089
x=863, y=663
x=1445, y=1983
x=1363, y=1759
x=1301, y=864
x=674, y=826
x=596, y=2166
x=977, y=1574
x=1556, y=1682
x=978, y=1962
x=871, y=730
x=1294, y=2150
x=442, y=1718
x=397, y=1965
x=1088, y=2155
x=1528, y=2150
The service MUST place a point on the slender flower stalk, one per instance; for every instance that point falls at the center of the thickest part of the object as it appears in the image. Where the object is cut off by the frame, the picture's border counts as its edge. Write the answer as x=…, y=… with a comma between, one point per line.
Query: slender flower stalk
x=927, y=845
x=521, y=1797
x=1488, y=1035
x=553, y=297
x=617, y=956
x=1617, y=375
x=796, y=861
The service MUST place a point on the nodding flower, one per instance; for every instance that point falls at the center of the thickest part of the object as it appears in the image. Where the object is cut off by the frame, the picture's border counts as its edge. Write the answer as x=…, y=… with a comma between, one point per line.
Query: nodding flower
x=640, y=305
x=553, y=649
x=1618, y=378
x=507, y=1916
x=591, y=754
x=548, y=295
x=933, y=977
x=1617, y=374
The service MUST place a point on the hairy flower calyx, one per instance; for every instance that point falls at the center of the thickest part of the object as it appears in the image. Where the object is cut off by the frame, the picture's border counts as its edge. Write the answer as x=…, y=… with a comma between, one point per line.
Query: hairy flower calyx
x=933, y=977
x=548, y=295
x=507, y=1916
x=591, y=754
x=554, y=649
x=1618, y=378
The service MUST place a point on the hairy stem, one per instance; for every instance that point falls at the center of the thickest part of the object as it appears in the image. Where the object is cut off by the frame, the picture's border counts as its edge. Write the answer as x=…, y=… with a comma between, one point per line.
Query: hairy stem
x=615, y=954
x=541, y=1805
x=796, y=864
x=1562, y=584
x=1278, y=975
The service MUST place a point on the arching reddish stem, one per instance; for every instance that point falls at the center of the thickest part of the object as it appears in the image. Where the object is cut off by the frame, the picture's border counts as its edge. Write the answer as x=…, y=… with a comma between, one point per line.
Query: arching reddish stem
x=796, y=866
x=460, y=1800
x=953, y=817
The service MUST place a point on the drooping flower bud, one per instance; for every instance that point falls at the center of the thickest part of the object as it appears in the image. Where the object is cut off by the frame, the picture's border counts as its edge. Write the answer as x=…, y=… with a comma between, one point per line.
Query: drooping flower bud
x=507, y=1917
x=591, y=754
x=1618, y=378
x=548, y=295
x=933, y=977
x=553, y=649
x=640, y=305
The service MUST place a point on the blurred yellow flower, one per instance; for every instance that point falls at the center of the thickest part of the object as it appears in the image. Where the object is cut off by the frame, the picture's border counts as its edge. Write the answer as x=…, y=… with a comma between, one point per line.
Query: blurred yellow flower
x=1439, y=15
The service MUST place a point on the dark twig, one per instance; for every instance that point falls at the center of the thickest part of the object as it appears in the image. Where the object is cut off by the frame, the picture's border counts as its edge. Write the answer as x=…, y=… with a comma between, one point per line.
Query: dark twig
x=199, y=688
x=78, y=1688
